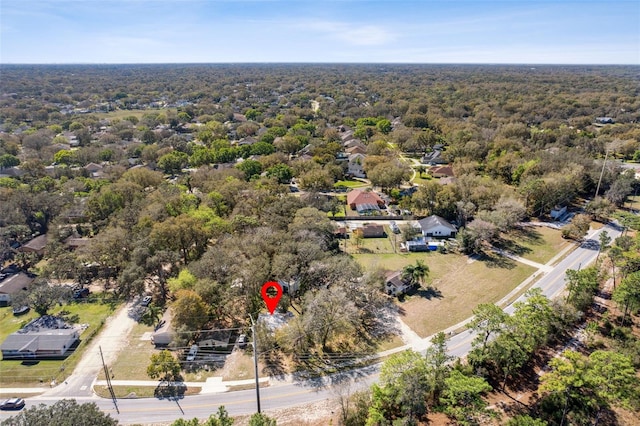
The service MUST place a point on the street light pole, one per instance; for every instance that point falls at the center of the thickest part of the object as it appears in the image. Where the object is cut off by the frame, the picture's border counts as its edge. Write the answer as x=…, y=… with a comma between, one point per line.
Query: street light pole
x=255, y=361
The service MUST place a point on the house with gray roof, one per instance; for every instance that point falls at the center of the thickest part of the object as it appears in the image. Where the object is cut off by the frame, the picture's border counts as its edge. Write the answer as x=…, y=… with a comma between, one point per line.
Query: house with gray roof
x=437, y=227
x=46, y=337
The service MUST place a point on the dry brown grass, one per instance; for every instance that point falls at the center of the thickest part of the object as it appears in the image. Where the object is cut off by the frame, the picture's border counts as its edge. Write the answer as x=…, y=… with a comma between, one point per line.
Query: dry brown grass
x=460, y=284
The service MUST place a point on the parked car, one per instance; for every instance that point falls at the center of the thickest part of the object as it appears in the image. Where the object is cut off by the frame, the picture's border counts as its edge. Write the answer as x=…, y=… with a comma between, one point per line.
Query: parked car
x=191, y=356
x=20, y=310
x=242, y=341
x=12, y=404
x=80, y=293
x=146, y=301
x=394, y=227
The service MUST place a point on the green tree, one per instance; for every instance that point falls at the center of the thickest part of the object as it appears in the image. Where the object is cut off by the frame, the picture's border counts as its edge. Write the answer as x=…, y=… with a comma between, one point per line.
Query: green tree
x=581, y=287
x=627, y=294
x=578, y=227
x=462, y=397
x=437, y=361
x=416, y=273
x=189, y=311
x=8, y=160
x=281, y=172
x=173, y=162
x=164, y=366
x=389, y=174
x=605, y=240
x=43, y=296
x=185, y=234
x=402, y=391
x=579, y=388
x=384, y=126
x=221, y=418
x=614, y=254
x=329, y=313
x=488, y=320
x=259, y=419
x=250, y=168
x=526, y=420
x=63, y=412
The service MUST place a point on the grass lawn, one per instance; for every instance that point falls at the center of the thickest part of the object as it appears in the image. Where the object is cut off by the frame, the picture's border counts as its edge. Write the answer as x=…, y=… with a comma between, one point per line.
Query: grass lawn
x=39, y=373
x=460, y=285
x=422, y=180
x=539, y=243
x=121, y=113
x=350, y=184
x=132, y=363
x=370, y=245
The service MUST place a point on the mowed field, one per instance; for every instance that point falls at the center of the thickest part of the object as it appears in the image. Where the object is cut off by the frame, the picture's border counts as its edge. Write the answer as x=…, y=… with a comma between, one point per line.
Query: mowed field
x=459, y=285
x=536, y=243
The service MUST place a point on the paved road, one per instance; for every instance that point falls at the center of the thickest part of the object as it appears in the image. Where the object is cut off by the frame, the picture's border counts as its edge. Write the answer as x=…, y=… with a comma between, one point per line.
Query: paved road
x=279, y=395
x=552, y=283
x=290, y=392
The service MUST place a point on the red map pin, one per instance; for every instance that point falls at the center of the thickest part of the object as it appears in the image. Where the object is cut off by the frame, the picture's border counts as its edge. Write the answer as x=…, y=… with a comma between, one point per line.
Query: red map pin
x=269, y=299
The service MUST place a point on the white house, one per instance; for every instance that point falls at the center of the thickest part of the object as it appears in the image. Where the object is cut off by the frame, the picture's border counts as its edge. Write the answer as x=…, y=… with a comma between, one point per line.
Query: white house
x=397, y=285
x=355, y=165
x=437, y=227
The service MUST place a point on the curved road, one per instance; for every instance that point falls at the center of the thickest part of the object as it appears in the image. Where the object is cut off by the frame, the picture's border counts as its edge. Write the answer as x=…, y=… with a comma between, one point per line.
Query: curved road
x=288, y=393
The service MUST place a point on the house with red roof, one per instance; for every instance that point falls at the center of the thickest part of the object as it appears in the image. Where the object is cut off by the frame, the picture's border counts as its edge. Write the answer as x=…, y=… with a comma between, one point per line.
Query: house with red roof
x=364, y=201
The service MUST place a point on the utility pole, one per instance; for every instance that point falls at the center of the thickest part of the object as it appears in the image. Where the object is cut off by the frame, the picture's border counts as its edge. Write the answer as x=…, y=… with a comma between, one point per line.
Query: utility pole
x=108, y=377
x=255, y=361
x=602, y=172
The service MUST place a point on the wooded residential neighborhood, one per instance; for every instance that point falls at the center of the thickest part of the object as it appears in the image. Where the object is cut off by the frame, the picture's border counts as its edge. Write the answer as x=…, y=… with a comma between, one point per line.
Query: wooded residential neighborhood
x=392, y=203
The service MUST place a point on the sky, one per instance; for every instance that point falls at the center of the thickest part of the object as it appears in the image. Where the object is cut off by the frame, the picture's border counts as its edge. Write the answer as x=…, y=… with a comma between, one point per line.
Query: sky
x=320, y=31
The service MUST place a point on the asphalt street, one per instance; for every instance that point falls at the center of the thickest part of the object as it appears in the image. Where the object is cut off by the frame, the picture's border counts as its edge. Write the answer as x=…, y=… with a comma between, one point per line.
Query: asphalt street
x=291, y=392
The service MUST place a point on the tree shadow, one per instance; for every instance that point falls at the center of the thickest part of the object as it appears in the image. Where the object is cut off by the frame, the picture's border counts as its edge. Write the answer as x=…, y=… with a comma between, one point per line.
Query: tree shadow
x=511, y=242
x=495, y=260
x=170, y=390
x=274, y=365
x=321, y=372
x=364, y=250
x=426, y=293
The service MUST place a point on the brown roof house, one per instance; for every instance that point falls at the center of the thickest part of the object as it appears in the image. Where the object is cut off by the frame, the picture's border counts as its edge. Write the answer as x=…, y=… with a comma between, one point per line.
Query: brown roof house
x=46, y=337
x=442, y=172
x=35, y=245
x=370, y=230
x=364, y=202
x=397, y=285
x=12, y=285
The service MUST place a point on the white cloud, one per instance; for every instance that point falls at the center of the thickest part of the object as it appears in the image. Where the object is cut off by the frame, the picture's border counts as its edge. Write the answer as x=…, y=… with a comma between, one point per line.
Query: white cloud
x=353, y=34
